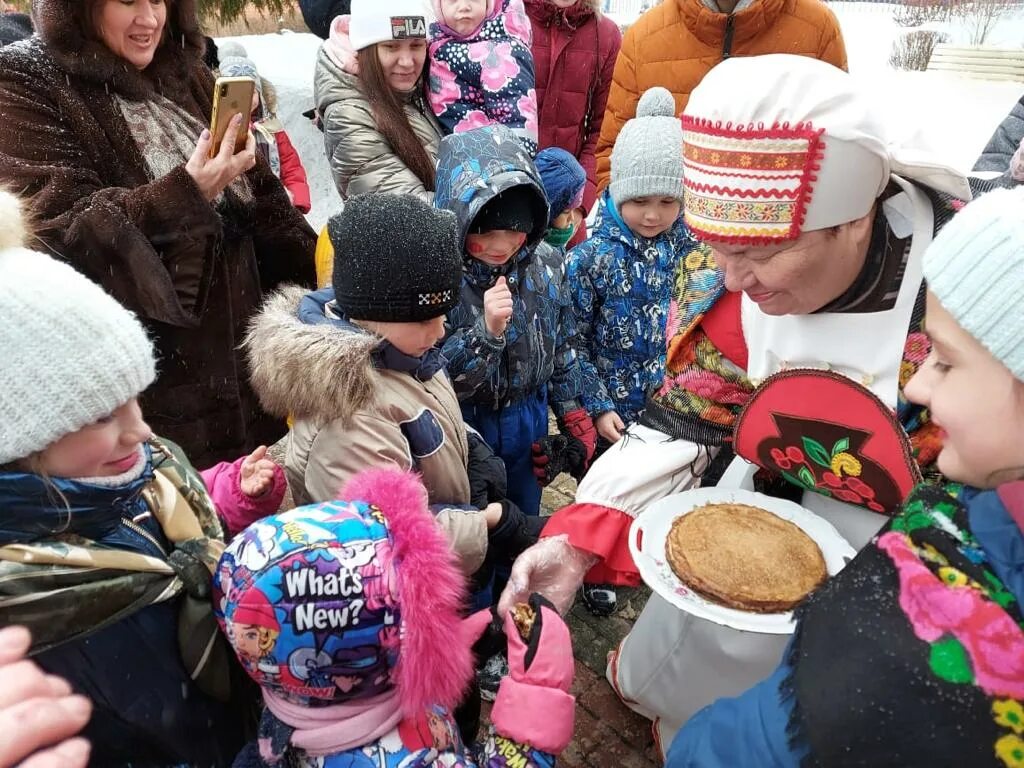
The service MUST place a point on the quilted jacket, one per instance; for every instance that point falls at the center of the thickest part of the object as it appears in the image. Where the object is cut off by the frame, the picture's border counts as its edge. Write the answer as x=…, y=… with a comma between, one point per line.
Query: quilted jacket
x=677, y=42
x=1004, y=142
x=574, y=52
x=362, y=160
x=620, y=285
x=535, y=350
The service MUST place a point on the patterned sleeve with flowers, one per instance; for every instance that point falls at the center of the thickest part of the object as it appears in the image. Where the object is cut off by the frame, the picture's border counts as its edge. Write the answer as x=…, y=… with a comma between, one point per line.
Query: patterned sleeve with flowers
x=565, y=388
x=584, y=294
x=474, y=356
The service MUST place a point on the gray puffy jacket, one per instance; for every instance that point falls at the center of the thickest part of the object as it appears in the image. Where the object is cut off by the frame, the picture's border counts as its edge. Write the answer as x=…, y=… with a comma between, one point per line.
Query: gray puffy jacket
x=361, y=158
x=1004, y=142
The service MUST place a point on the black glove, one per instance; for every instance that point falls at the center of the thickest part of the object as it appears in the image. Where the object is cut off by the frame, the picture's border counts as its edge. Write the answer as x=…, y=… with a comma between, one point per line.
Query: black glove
x=487, y=479
x=555, y=454
x=513, y=533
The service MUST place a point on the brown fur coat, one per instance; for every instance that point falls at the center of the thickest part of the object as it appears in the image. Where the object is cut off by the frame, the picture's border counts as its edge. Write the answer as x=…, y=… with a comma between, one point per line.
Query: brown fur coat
x=193, y=272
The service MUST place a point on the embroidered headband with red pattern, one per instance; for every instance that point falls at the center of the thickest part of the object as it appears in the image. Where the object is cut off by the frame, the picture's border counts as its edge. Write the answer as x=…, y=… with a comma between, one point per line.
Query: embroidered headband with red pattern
x=778, y=145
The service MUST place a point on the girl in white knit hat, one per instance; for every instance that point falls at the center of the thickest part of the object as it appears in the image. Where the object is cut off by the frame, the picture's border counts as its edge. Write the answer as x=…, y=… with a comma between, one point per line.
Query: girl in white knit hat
x=913, y=655
x=108, y=536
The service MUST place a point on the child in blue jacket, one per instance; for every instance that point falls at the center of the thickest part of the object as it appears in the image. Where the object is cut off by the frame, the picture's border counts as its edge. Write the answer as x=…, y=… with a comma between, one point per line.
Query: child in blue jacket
x=508, y=339
x=564, y=180
x=620, y=279
x=913, y=655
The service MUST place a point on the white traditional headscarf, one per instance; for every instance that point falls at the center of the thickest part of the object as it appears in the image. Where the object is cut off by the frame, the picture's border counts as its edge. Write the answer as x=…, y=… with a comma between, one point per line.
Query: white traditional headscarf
x=778, y=145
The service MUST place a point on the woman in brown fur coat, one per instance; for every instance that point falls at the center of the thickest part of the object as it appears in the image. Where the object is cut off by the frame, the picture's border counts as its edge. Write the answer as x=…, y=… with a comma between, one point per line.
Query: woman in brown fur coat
x=103, y=115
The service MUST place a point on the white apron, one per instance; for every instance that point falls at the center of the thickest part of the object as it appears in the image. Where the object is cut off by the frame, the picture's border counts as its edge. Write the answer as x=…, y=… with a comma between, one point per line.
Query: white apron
x=672, y=664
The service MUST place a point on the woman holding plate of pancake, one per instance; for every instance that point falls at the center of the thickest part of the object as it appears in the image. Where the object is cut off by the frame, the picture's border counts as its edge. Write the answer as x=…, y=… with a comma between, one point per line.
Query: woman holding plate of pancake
x=792, y=331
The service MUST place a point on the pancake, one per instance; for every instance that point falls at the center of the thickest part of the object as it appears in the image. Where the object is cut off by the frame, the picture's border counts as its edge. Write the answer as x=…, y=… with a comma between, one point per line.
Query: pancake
x=744, y=557
x=523, y=616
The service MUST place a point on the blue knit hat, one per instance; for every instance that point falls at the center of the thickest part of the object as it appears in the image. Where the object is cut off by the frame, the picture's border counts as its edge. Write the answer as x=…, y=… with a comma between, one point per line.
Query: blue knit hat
x=563, y=178
x=975, y=268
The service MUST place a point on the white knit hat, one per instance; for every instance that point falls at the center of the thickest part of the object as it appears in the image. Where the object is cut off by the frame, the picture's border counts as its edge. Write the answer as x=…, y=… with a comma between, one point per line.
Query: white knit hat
x=778, y=145
x=975, y=268
x=374, y=21
x=69, y=353
x=647, y=158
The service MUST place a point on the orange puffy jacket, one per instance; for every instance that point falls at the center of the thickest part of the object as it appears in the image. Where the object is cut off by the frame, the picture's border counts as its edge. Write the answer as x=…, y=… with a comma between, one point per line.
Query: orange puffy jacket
x=675, y=44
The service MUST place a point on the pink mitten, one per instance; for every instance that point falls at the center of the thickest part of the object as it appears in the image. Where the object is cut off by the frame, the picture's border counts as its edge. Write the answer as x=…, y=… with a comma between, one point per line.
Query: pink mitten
x=533, y=705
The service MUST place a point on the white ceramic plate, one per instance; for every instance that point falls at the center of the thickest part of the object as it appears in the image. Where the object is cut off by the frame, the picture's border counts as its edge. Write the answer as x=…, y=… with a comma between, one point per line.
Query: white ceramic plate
x=650, y=531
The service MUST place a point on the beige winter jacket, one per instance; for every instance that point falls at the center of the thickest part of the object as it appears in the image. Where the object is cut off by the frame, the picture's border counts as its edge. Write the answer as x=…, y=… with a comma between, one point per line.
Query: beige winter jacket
x=361, y=158
x=349, y=415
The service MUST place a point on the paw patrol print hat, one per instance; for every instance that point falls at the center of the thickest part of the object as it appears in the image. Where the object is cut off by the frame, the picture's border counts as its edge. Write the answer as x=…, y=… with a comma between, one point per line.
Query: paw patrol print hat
x=396, y=259
x=350, y=601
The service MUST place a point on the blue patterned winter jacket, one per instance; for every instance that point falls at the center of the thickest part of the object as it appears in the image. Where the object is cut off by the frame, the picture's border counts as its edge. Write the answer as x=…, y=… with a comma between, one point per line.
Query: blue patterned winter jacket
x=620, y=285
x=536, y=349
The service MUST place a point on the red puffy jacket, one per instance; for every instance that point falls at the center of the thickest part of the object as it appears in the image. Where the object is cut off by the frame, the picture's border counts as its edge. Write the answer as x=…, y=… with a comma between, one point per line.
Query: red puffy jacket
x=574, y=52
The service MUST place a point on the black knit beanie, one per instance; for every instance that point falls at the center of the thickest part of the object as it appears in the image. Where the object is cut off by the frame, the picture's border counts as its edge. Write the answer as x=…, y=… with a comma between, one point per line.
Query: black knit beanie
x=515, y=209
x=396, y=259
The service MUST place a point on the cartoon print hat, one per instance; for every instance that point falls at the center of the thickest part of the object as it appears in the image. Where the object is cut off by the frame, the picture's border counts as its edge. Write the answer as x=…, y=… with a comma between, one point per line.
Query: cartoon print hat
x=778, y=145
x=349, y=599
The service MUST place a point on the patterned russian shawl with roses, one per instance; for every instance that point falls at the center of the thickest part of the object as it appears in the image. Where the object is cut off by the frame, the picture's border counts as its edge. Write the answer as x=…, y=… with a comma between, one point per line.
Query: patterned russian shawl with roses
x=914, y=654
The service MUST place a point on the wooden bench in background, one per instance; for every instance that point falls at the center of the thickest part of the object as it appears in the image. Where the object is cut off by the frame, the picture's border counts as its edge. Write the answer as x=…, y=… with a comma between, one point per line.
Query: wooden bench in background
x=980, y=61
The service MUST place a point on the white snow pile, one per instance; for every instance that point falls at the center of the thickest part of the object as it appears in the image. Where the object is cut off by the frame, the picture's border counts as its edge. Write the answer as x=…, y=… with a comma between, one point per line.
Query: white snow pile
x=947, y=115
x=287, y=60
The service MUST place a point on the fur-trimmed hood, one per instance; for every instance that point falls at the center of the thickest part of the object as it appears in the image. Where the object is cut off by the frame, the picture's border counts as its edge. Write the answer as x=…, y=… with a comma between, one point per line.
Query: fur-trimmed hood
x=60, y=26
x=319, y=371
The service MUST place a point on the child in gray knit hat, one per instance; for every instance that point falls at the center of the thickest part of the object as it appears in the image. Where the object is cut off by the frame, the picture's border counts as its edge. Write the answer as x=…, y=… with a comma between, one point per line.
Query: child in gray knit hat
x=108, y=536
x=621, y=277
x=272, y=141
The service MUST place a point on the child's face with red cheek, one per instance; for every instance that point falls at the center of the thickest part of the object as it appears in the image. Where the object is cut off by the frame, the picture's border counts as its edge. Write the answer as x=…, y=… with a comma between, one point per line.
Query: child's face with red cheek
x=496, y=247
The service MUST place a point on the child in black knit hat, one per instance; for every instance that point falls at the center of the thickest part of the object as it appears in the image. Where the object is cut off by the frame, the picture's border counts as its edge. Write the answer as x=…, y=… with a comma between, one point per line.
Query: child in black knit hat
x=356, y=366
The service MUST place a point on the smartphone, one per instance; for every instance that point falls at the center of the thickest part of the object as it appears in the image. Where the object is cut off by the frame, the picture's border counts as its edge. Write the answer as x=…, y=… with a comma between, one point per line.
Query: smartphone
x=231, y=96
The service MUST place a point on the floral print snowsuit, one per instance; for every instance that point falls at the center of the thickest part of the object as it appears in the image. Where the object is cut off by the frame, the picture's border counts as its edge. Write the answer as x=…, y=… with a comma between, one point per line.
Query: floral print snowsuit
x=485, y=77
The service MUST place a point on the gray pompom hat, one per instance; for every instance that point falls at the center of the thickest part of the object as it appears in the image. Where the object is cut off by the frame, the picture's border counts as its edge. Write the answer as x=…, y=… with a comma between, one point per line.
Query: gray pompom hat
x=647, y=159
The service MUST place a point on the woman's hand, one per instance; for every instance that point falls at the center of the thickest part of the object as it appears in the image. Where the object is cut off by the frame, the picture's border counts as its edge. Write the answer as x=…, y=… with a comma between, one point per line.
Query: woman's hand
x=609, y=426
x=213, y=174
x=38, y=713
x=553, y=567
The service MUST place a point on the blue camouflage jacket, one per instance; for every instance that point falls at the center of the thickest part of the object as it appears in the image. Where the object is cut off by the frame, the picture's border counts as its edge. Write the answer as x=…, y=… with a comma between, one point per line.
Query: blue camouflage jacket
x=620, y=285
x=536, y=349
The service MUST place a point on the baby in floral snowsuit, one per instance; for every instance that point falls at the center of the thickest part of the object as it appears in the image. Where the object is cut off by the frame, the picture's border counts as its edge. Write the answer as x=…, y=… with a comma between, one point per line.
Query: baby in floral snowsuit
x=481, y=68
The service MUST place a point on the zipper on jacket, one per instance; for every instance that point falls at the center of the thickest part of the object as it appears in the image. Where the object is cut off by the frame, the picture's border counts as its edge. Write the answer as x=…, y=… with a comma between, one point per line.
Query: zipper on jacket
x=134, y=527
x=727, y=42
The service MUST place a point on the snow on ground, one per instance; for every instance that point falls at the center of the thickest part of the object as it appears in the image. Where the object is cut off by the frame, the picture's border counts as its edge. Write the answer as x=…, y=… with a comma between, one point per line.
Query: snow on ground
x=949, y=115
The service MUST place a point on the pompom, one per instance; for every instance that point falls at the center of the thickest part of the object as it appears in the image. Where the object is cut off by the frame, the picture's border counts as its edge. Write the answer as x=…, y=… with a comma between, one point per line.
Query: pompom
x=656, y=102
x=12, y=225
x=231, y=48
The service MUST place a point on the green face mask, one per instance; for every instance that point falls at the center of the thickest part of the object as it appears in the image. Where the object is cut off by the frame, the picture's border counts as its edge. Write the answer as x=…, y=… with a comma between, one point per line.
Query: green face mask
x=558, y=237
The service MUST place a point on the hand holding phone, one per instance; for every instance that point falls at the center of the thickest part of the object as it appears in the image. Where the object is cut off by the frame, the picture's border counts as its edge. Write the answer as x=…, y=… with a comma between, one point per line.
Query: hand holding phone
x=213, y=174
x=231, y=96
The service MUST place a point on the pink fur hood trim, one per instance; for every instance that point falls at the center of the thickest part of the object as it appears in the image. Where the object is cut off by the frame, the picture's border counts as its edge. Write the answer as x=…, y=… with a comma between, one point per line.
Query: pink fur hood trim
x=435, y=661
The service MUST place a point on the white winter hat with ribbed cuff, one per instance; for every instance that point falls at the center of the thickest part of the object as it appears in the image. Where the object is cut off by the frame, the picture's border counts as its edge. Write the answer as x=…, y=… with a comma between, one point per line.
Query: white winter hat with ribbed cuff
x=70, y=353
x=378, y=21
x=975, y=268
x=647, y=159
